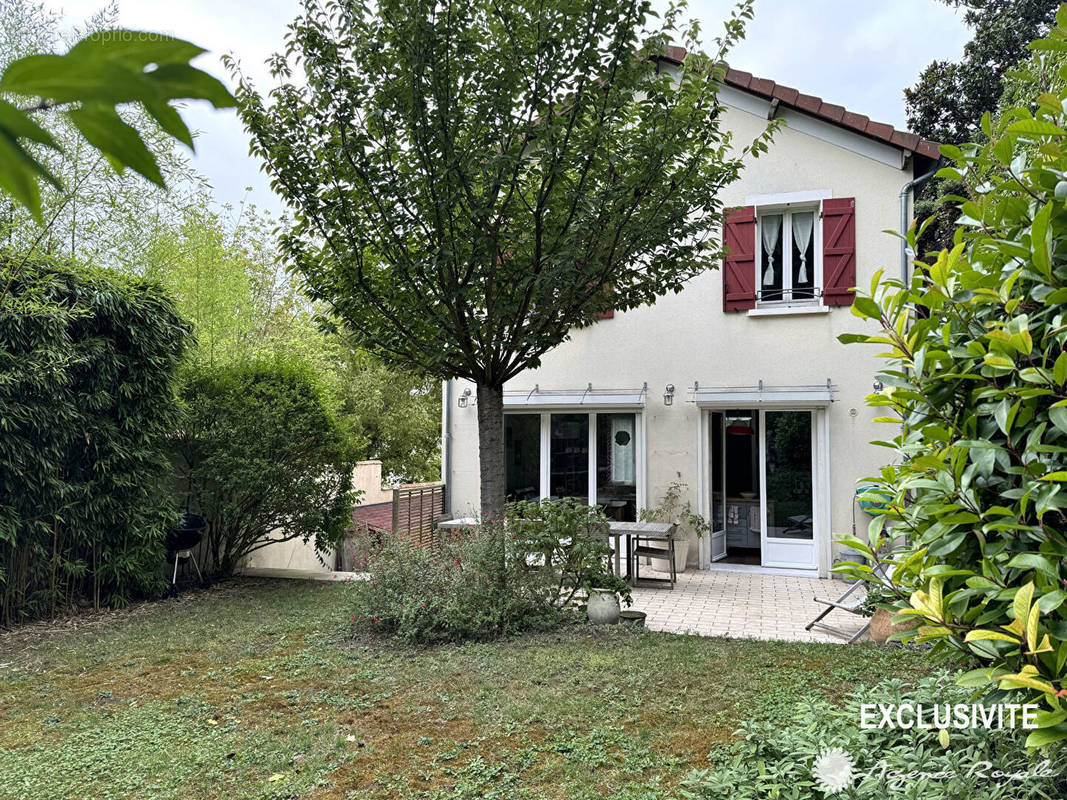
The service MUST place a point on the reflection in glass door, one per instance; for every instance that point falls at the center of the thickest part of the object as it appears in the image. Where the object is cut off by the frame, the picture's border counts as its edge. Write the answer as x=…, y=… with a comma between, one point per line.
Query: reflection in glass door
x=569, y=457
x=522, y=456
x=717, y=473
x=788, y=489
x=616, y=465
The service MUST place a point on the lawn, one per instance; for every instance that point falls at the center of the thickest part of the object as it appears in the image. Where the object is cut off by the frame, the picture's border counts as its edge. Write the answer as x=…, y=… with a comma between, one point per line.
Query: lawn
x=254, y=690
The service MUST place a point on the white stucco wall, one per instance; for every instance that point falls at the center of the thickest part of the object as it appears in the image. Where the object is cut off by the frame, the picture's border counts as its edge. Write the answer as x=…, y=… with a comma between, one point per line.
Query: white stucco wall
x=299, y=555
x=688, y=337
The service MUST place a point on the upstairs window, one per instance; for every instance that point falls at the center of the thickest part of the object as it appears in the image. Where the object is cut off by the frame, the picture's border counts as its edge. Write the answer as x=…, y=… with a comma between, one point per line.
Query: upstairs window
x=793, y=254
x=788, y=269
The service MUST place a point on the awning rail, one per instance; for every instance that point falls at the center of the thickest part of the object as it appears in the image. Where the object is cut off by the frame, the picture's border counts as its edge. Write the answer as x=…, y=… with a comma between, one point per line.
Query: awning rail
x=566, y=398
x=809, y=395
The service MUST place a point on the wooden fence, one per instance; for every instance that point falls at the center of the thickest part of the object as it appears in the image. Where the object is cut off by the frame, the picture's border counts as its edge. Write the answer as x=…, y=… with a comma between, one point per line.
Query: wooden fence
x=416, y=509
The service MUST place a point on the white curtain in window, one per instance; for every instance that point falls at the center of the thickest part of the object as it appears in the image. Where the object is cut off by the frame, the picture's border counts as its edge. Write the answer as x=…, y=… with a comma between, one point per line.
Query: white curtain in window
x=771, y=226
x=802, y=225
x=622, y=455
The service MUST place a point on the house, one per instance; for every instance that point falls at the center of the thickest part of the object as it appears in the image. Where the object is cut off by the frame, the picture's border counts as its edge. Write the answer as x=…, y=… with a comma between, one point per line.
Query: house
x=737, y=386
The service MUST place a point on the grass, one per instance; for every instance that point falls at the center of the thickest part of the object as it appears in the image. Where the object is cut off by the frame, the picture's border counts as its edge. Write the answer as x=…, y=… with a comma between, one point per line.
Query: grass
x=253, y=690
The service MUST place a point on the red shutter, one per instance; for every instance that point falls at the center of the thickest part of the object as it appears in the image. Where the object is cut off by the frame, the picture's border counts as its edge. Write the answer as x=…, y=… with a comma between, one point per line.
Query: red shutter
x=739, y=266
x=839, y=251
x=610, y=312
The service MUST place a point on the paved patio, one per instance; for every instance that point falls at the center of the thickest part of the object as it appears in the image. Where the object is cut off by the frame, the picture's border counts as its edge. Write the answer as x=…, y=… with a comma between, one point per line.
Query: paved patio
x=722, y=602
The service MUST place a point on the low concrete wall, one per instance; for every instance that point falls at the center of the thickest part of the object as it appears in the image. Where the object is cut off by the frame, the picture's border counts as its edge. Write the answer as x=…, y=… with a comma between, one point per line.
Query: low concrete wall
x=296, y=555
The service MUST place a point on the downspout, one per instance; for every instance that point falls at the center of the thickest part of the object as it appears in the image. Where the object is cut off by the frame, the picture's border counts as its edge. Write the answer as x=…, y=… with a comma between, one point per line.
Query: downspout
x=446, y=444
x=909, y=187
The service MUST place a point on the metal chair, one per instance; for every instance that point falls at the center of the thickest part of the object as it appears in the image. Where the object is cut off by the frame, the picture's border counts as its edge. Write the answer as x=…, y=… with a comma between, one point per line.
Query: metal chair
x=846, y=603
x=649, y=551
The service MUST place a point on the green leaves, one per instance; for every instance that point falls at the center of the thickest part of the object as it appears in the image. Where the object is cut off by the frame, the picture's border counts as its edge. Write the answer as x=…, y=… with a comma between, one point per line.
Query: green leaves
x=90, y=84
x=105, y=130
x=979, y=381
x=86, y=403
x=470, y=223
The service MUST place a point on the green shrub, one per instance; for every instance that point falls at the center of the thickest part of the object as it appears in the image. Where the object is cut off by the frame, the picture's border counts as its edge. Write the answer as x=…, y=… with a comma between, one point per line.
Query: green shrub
x=775, y=758
x=975, y=528
x=261, y=457
x=489, y=581
x=87, y=372
x=568, y=543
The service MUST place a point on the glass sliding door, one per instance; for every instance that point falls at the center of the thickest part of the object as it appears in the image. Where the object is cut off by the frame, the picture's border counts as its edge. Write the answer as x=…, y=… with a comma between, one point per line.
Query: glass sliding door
x=788, y=481
x=616, y=465
x=522, y=456
x=569, y=457
x=717, y=474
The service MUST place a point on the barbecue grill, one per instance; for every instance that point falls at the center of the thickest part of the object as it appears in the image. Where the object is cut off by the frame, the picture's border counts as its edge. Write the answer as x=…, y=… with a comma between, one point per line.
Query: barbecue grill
x=180, y=542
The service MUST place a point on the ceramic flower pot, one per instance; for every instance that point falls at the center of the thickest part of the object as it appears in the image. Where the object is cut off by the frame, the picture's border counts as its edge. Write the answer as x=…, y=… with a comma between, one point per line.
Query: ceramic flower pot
x=603, y=607
x=883, y=625
x=681, y=556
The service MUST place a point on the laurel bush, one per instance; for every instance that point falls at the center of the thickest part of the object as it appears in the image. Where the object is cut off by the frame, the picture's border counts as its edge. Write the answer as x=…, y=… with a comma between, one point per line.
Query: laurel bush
x=972, y=539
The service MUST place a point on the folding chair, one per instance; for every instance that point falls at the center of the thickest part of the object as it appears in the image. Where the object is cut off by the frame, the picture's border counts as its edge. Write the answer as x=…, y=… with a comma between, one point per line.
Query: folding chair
x=847, y=603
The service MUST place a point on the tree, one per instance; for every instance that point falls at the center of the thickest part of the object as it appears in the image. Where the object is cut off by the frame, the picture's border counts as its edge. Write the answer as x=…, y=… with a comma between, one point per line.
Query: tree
x=261, y=456
x=97, y=215
x=227, y=276
x=473, y=179
x=947, y=103
x=394, y=415
x=974, y=523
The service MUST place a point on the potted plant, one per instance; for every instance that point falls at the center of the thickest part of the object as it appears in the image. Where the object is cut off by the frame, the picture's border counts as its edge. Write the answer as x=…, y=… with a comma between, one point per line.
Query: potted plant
x=672, y=509
x=883, y=617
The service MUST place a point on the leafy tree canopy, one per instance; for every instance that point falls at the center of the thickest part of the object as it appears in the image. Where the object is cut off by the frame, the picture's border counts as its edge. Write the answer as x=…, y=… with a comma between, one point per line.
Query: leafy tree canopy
x=475, y=179
x=947, y=103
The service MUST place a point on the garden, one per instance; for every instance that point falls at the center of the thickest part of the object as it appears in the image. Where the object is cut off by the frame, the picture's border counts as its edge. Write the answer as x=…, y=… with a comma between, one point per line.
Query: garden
x=261, y=689
x=163, y=356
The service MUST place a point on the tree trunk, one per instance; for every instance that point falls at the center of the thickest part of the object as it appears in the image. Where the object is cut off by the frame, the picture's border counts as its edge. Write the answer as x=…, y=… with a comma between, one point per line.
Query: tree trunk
x=490, y=406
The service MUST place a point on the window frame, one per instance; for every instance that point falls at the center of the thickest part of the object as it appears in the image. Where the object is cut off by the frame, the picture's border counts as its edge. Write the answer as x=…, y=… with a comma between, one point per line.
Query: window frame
x=546, y=446
x=787, y=300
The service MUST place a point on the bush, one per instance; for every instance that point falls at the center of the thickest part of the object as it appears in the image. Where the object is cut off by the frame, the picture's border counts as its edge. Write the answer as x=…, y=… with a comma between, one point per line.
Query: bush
x=261, y=457
x=87, y=373
x=775, y=758
x=489, y=581
x=975, y=528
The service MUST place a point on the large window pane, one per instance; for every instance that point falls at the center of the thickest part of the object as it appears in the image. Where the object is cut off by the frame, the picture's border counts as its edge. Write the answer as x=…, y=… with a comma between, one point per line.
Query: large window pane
x=569, y=461
x=802, y=228
x=770, y=277
x=522, y=456
x=789, y=480
x=616, y=465
x=718, y=495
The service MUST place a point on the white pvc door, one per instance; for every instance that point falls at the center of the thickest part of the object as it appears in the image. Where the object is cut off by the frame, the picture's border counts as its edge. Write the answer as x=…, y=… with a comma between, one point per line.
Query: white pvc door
x=787, y=482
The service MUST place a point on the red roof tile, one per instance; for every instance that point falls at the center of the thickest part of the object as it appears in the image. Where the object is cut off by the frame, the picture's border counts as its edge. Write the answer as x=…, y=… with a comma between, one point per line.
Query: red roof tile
x=817, y=107
x=377, y=515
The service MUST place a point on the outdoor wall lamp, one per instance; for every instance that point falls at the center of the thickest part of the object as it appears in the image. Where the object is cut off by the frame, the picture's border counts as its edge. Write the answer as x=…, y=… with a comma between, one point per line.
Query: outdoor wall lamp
x=668, y=395
x=465, y=399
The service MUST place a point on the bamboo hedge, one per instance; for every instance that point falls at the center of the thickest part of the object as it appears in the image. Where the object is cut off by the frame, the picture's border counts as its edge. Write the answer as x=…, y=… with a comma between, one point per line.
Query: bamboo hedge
x=87, y=368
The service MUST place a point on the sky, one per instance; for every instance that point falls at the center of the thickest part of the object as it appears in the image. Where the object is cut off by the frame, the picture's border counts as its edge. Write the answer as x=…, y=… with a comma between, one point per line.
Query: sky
x=857, y=53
